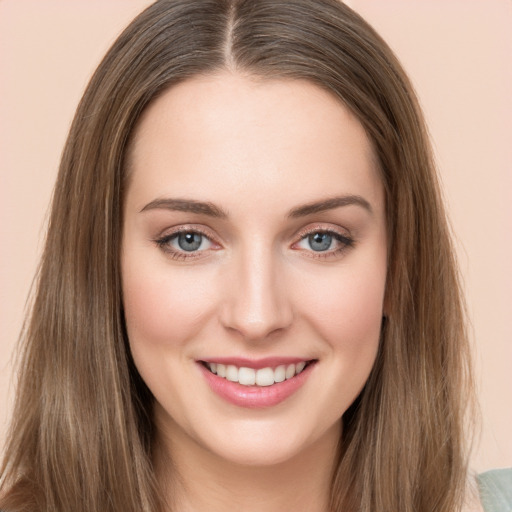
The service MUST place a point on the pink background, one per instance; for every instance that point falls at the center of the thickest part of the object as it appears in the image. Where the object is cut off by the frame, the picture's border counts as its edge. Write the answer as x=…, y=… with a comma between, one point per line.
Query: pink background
x=459, y=56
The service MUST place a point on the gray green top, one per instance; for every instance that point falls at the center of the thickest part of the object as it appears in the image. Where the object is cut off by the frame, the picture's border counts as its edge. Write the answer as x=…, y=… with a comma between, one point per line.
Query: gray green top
x=496, y=490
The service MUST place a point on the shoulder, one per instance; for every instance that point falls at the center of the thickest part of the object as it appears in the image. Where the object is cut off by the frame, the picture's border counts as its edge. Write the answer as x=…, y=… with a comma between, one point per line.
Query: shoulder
x=495, y=489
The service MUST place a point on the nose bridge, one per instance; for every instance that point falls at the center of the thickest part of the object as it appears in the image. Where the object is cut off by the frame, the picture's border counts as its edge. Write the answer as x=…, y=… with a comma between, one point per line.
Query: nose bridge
x=258, y=303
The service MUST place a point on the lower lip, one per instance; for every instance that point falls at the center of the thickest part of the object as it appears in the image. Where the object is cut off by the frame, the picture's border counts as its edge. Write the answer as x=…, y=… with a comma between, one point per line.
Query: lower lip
x=255, y=396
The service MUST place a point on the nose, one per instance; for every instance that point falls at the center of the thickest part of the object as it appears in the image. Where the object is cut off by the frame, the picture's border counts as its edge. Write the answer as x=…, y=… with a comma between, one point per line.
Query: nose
x=257, y=301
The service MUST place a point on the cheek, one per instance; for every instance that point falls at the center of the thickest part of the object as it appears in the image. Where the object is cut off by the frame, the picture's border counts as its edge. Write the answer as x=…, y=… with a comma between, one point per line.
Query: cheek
x=347, y=313
x=349, y=320
x=162, y=308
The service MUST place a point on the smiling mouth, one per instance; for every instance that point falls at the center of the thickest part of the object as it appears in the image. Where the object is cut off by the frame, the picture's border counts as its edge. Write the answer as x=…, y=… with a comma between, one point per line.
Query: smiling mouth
x=257, y=377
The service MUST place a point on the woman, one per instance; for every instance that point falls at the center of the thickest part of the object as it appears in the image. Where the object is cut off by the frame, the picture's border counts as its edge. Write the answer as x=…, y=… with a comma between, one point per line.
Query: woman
x=248, y=294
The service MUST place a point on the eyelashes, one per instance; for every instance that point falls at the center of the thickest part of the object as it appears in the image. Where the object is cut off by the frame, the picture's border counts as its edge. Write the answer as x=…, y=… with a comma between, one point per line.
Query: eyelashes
x=323, y=243
x=186, y=243
x=191, y=242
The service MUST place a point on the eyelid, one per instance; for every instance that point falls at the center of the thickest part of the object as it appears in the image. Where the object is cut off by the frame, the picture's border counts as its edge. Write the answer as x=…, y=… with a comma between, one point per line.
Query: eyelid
x=322, y=228
x=186, y=228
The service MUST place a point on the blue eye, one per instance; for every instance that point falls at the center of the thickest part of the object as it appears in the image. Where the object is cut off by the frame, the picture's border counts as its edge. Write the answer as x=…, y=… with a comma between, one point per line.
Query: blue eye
x=320, y=241
x=181, y=244
x=324, y=243
x=189, y=241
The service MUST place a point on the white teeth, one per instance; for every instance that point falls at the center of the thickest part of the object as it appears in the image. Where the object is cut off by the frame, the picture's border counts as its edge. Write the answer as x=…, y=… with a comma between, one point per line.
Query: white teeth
x=247, y=376
x=280, y=373
x=265, y=377
x=299, y=367
x=232, y=373
x=262, y=377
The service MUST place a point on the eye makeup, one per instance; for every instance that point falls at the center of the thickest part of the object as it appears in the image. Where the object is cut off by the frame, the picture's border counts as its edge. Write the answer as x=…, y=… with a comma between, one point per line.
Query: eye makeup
x=323, y=242
x=189, y=242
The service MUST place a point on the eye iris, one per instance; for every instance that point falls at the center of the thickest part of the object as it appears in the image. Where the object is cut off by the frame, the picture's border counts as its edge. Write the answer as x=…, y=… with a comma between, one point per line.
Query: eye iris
x=320, y=241
x=190, y=241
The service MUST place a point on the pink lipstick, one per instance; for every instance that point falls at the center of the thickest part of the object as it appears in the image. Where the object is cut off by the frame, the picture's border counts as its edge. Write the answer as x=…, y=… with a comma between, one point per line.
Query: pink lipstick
x=256, y=383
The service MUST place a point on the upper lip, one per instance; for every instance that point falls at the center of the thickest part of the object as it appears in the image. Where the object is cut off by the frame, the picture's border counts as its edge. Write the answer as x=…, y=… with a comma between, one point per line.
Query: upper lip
x=256, y=364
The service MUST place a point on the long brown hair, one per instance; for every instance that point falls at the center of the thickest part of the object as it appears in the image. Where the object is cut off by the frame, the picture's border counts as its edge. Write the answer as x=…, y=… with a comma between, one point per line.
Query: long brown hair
x=82, y=434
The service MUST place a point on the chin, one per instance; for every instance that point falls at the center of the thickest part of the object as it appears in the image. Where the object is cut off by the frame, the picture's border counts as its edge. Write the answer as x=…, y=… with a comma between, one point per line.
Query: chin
x=266, y=444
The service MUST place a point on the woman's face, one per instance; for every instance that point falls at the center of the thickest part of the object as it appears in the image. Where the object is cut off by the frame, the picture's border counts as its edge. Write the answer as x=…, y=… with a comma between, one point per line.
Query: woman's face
x=254, y=242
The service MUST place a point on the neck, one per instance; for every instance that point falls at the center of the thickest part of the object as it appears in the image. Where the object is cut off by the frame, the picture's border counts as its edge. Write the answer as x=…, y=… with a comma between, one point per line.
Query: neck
x=197, y=480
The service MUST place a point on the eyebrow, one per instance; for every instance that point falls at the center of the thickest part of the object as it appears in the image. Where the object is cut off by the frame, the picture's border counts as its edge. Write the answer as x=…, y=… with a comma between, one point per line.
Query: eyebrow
x=210, y=209
x=330, y=204
x=187, y=205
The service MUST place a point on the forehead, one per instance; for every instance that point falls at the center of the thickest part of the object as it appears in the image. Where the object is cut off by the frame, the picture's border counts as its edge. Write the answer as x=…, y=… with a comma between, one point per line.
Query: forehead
x=250, y=134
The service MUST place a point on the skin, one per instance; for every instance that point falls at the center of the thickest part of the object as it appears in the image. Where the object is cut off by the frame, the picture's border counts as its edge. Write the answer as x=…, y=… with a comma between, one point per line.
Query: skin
x=258, y=150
